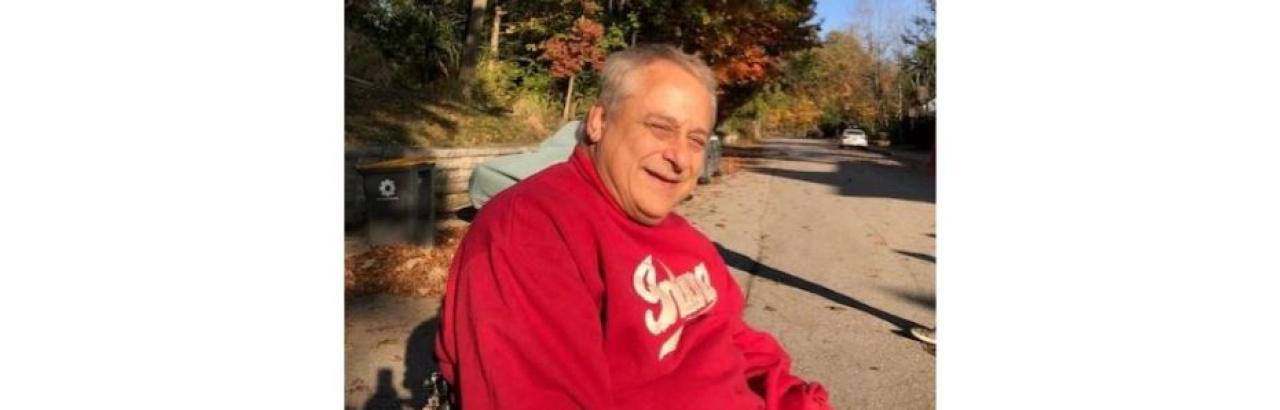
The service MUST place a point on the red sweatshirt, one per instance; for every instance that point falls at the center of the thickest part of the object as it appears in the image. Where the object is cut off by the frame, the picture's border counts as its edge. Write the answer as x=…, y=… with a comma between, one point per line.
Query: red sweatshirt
x=557, y=300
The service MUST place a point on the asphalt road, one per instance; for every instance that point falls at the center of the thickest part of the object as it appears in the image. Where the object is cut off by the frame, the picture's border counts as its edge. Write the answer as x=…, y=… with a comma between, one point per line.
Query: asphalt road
x=833, y=248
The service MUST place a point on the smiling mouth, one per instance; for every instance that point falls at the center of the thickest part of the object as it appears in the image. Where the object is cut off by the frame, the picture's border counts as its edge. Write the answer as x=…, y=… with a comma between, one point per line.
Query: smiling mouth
x=662, y=178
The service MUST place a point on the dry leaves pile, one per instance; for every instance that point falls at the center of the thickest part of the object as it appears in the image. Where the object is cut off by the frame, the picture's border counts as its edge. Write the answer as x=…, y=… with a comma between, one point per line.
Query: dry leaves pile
x=402, y=269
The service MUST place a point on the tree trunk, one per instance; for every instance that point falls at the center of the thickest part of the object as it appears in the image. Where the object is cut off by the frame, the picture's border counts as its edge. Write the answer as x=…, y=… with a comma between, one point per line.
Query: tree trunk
x=568, y=98
x=497, y=28
x=475, y=23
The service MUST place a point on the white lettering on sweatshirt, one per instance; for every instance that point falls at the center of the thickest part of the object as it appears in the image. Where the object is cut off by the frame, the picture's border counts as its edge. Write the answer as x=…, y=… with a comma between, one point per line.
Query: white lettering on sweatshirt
x=678, y=297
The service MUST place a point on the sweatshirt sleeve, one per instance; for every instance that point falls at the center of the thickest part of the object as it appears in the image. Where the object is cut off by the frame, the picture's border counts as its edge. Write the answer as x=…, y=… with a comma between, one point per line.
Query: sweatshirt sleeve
x=769, y=373
x=521, y=325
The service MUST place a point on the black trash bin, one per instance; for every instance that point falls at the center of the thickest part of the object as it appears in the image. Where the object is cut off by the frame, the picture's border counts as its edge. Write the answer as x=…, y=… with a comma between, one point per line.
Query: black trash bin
x=399, y=196
x=711, y=162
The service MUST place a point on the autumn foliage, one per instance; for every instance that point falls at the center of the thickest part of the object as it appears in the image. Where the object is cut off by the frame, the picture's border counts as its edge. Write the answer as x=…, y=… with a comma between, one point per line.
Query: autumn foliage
x=403, y=269
x=749, y=66
x=744, y=42
x=569, y=52
x=776, y=75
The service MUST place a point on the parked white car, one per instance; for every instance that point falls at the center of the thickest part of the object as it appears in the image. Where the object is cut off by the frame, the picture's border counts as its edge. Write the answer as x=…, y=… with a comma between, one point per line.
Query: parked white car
x=853, y=137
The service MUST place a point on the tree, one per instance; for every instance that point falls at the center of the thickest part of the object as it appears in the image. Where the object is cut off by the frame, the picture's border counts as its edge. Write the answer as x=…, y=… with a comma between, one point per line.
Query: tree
x=470, y=45
x=415, y=38
x=495, y=29
x=920, y=66
x=569, y=53
x=848, y=72
x=742, y=41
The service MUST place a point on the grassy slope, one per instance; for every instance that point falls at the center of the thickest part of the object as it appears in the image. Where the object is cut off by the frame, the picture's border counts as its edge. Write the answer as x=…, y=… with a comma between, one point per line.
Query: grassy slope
x=432, y=119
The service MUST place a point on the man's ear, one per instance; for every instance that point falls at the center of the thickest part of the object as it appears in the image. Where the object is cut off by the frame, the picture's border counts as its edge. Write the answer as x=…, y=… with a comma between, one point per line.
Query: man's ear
x=595, y=123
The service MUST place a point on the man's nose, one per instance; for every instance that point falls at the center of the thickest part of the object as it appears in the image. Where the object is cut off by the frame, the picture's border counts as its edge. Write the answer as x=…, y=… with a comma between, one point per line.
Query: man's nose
x=680, y=155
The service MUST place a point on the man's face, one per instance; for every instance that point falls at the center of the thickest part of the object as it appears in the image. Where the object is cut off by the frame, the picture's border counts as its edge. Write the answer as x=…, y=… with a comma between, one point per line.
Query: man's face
x=649, y=150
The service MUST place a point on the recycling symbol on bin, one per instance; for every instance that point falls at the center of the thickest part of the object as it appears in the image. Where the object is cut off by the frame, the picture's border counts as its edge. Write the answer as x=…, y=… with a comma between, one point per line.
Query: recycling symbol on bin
x=387, y=188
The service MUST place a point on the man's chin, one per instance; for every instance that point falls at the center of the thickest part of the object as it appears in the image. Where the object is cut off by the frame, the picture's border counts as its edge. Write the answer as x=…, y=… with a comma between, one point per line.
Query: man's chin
x=651, y=216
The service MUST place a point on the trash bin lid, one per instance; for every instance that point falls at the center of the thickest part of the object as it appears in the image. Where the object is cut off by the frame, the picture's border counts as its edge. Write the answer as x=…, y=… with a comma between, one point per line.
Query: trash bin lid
x=398, y=164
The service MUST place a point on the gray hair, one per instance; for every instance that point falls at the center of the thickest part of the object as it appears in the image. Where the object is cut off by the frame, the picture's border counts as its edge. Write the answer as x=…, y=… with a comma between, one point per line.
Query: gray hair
x=620, y=67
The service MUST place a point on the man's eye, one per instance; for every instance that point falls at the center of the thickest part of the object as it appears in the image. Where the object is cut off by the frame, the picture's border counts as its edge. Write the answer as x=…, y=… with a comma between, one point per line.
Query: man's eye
x=699, y=141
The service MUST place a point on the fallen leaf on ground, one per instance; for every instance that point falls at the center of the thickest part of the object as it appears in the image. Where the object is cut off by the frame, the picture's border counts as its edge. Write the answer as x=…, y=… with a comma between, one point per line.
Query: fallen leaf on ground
x=403, y=269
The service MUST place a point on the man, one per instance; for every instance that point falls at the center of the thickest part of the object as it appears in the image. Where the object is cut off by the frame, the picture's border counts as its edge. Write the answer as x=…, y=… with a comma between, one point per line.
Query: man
x=579, y=288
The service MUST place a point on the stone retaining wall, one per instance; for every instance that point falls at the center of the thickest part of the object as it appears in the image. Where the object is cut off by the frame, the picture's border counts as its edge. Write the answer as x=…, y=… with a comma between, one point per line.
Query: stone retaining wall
x=453, y=173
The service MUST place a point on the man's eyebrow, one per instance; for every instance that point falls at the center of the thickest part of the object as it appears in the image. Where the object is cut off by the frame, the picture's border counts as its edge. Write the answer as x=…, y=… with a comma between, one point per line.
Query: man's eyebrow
x=659, y=117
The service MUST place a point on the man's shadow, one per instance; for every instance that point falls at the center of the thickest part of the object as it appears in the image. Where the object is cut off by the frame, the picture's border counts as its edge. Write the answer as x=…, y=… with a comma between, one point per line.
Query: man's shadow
x=385, y=396
x=751, y=266
x=419, y=363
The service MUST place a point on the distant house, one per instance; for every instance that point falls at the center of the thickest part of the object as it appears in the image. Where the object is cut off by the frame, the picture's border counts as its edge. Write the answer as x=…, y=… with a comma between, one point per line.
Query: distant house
x=926, y=109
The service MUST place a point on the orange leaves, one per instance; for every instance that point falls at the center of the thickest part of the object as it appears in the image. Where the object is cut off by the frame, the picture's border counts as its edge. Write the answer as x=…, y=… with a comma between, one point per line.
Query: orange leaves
x=743, y=41
x=750, y=66
x=570, y=52
x=400, y=269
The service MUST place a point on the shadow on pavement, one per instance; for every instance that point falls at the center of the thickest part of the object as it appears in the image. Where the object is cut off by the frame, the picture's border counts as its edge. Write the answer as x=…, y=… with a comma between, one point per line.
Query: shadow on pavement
x=385, y=397
x=751, y=266
x=862, y=178
x=924, y=300
x=419, y=348
x=859, y=172
x=920, y=256
x=818, y=151
x=420, y=361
